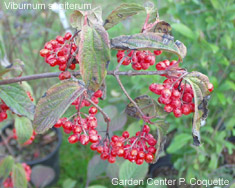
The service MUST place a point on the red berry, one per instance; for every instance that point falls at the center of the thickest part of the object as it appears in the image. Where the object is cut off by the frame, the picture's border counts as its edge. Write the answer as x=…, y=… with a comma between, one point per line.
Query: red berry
x=112, y=159
x=73, y=139
x=58, y=124
x=141, y=155
x=146, y=129
x=67, y=36
x=139, y=161
x=176, y=103
x=186, y=109
x=84, y=139
x=166, y=93
x=149, y=157
x=60, y=39
x=177, y=112
x=68, y=125
x=157, y=52
x=93, y=146
x=99, y=149
x=187, y=97
x=120, y=152
x=210, y=87
x=93, y=110
x=93, y=138
x=44, y=52
x=168, y=108
x=98, y=94
x=125, y=134
x=114, y=138
x=136, y=66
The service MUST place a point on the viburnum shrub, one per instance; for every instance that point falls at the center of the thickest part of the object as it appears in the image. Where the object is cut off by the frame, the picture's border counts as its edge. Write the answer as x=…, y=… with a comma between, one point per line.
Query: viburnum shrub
x=89, y=45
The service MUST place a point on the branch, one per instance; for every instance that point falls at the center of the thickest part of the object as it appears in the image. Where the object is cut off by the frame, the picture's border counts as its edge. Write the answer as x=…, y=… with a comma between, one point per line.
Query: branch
x=77, y=73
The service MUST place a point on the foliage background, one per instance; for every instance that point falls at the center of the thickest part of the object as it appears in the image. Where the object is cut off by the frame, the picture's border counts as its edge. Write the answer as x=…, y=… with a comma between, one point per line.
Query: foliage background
x=206, y=27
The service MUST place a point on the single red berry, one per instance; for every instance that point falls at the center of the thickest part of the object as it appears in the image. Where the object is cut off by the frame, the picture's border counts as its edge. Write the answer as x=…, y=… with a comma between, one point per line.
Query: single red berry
x=98, y=94
x=125, y=134
x=77, y=129
x=99, y=149
x=72, y=66
x=104, y=155
x=210, y=87
x=157, y=52
x=67, y=36
x=120, y=152
x=176, y=103
x=152, y=150
x=186, y=109
x=93, y=138
x=60, y=39
x=95, y=99
x=84, y=139
x=187, y=97
x=141, y=155
x=149, y=157
x=44, y=52
x=146, y=129
x=114, y=138
x=93, y=146
x=177, y=112
x=139, y=161
x=152, y=142
x=136, y=66
x=111, y=159
x=68, y=125
x=58, y=124
x=166, y=93
x=168, y=108
x=93, y=110
x=73, y=139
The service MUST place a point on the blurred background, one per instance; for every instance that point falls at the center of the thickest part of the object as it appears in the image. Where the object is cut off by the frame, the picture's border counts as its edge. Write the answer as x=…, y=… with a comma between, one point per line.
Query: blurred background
x=206, y=27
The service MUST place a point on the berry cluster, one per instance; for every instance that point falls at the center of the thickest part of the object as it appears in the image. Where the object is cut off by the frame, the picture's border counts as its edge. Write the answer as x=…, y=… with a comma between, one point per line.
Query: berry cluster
x=83, y=129
x=136, y=149
x=3, y=110
x=58, y=52
x=140, y=60
x=28, y=142
x=8, y=183
x=176, y=96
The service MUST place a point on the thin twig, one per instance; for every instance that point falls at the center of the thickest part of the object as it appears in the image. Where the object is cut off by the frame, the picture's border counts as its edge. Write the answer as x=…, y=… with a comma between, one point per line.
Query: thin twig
x=6, y=144
x=77, y=73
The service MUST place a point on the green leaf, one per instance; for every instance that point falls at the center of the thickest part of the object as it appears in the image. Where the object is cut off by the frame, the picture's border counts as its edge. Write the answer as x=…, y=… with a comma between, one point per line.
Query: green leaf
x=184, y=30
x=6, y=165
x=93, y=17
x=161, y=27
x=149, y=41
x=54, y=103
x=199, y=83
x=24, y=129
x=178, y=142
x=213, y=162
x=121, y=13
x=16, y=98
x=148, y=106
x=130, y=170
x=162, y=128
x=94, y=56
x=77, y=19
x=97, y=164
x=69, y=183
x=19, y=176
